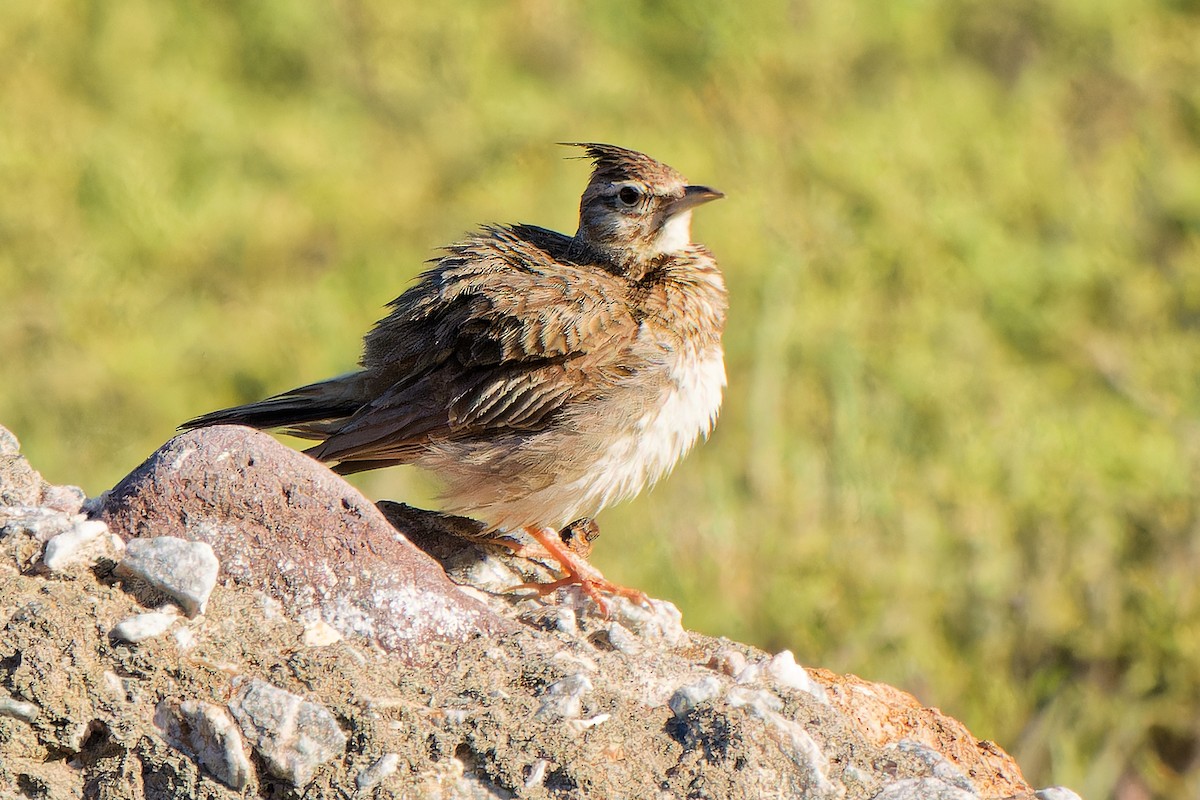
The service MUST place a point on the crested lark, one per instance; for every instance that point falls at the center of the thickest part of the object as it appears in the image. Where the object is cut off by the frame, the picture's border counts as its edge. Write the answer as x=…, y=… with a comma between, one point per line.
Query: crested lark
x=542, y=377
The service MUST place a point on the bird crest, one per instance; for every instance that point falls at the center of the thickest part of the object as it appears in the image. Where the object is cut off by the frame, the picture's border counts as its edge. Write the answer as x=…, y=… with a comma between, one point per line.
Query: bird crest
x=612, y=164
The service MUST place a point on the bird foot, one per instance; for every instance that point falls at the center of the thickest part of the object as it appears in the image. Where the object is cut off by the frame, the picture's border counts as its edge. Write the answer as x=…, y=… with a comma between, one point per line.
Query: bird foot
x=578, y=573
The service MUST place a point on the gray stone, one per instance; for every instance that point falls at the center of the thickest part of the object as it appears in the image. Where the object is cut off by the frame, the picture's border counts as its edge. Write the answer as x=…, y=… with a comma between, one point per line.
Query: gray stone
x=206, y=733
x=923, y=789
x=41, y=524
x=940, y=766
x=294, y=736
x=186, y=571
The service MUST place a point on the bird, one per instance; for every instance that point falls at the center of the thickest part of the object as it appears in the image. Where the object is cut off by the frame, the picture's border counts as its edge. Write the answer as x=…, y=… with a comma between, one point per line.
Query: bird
x=541, y=377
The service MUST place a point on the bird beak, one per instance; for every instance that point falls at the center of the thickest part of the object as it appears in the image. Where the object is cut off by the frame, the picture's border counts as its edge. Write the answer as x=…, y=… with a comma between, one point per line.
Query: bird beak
x=692, y=197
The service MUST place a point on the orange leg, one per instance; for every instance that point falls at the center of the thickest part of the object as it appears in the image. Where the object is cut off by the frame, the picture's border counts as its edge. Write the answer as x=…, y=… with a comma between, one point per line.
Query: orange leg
x=578, y=571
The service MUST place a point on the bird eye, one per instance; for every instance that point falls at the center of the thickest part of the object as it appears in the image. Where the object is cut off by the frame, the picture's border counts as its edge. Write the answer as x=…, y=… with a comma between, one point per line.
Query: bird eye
x=629, y=195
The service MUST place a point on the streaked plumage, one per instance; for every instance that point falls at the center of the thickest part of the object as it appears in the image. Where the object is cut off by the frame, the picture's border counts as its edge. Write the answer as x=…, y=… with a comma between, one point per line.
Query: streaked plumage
x=542, y=377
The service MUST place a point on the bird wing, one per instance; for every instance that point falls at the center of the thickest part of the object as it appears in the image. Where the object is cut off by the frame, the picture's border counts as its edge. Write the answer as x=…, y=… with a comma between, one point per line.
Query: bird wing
x=500, y=334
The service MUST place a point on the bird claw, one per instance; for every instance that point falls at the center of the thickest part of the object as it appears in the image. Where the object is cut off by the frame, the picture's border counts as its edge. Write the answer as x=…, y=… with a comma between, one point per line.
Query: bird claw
x=591, y=587
x=576, y=568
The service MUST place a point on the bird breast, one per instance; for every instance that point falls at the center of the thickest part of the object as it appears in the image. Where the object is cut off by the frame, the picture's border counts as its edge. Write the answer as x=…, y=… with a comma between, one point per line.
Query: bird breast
x=665, y=432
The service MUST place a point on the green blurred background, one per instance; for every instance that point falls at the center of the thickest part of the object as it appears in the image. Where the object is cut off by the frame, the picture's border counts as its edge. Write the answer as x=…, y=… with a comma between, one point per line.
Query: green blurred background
x=960, y=449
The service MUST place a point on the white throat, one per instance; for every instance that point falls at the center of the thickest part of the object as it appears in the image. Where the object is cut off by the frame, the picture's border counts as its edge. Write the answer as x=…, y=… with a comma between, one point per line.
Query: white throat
x=676, y=233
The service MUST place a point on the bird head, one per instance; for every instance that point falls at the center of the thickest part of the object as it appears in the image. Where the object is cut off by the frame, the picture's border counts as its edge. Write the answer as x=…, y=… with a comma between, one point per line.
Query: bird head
x=636, y=209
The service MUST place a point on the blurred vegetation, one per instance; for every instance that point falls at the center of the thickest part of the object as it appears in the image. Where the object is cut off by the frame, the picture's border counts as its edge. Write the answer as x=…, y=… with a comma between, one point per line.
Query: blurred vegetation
x=960, y=450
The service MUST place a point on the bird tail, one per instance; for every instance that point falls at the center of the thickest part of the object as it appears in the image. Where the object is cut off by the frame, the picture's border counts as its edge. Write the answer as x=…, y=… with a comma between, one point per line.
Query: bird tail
x=311, y=412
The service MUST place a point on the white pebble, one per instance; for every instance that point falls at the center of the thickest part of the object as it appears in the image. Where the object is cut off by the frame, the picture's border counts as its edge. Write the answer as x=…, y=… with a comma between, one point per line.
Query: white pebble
x=659, y=623
x=18, y=709
x=565, y=620
x=622, y=639
x=185, y=639
x=321, y=634
x=382, y=767
x=591, y=722
x=187, y=571
x=86, y=541
x=688, y=697
x=140, y=627
x=114, y=684
x=207, y=733
x=564, y=698
x=783, y=670
x=537, y=773
x=1056, y=793
x=759, y=700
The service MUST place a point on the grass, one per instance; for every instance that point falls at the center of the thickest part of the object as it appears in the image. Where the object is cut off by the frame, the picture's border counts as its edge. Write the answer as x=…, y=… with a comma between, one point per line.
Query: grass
x=960, y=450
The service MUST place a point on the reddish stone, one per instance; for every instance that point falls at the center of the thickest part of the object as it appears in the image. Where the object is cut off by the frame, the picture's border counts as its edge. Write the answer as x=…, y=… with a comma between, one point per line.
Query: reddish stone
x=285, y=524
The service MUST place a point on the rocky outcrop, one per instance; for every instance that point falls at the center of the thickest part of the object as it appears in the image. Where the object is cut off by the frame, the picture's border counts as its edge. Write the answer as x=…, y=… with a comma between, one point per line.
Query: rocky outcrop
x=256, y=627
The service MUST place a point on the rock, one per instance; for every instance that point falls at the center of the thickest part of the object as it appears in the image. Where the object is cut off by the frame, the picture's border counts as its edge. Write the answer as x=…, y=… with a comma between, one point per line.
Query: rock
x=21, y=485
x=537, y=773
x=283, y=523
x=659, y=623
x=622, y=639
x=940, y=766
x=782, y=669
x=564, y=698
x=144, y=626
x=292, y=735
x=9, y=446
x=728, y=661
x=185, y=571
x=40, y=524
x=319, y=633
x=83, y=544
x=343, y=657
x=208, y=734
x=1056, y=793
x=452, y=779
x=67, y=499
x=886, y=715
x=18, y=709
x=924, y=789
x=796, y=742
x=688, y=697
x=373, y=775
